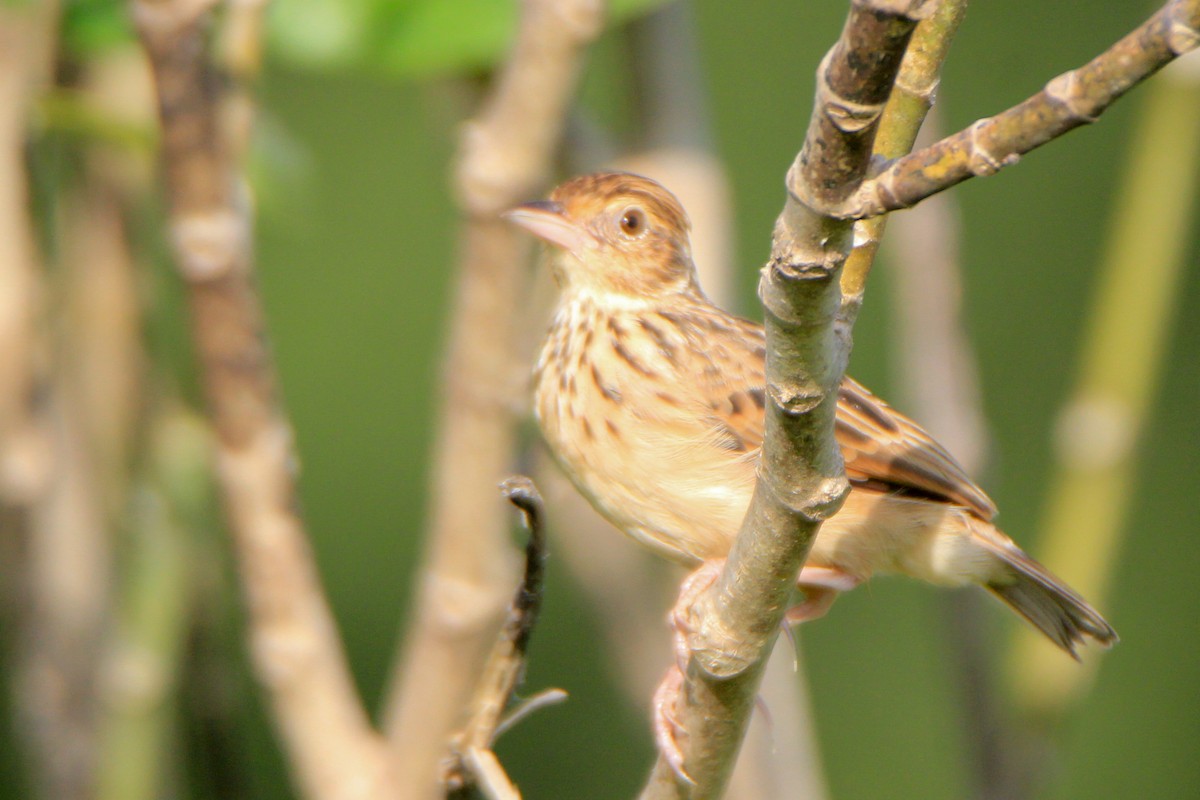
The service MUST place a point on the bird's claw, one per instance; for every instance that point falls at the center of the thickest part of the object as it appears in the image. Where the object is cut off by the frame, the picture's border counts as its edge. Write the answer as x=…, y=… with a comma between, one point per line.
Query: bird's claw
x=666, y=725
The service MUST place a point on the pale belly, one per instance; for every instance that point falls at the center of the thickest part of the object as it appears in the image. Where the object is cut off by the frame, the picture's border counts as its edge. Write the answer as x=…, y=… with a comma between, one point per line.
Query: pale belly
x=689, y=507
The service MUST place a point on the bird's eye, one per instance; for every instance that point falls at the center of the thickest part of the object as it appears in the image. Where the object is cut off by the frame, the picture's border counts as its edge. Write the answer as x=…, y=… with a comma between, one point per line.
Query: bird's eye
x=633, y=221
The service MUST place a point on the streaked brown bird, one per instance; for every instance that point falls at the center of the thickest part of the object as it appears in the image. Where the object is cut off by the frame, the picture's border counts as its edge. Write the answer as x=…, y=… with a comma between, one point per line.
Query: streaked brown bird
x=651, y=398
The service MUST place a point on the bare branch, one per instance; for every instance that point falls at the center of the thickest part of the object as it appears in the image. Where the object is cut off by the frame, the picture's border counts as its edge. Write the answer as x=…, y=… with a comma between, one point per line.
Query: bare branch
x=50, y=520
x=505, y=156
x=471, y=759
x=294, y=641
x=144, y=647
x=800, y=480
x=1072, y=99
x=910, y=101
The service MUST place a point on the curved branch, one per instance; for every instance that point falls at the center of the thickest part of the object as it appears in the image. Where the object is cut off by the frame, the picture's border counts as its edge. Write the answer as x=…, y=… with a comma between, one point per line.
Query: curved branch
x=294, y=641
x=472, y=746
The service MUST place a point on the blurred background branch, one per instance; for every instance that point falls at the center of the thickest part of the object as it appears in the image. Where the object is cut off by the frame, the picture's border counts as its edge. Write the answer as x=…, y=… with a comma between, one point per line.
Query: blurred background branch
x=293, y=639
x=505, y=157
x=51, y=516
x=938, y=381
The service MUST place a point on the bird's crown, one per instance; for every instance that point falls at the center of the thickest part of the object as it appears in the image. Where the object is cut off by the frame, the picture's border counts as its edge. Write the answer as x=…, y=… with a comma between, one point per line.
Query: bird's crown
x=616, y=233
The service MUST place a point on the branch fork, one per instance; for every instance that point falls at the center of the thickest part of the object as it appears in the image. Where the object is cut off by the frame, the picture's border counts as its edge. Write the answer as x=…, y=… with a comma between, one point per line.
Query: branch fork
x=1075, y=98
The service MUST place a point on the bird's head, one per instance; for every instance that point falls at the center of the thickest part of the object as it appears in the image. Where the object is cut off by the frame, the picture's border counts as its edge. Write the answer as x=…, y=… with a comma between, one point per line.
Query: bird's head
x=615, y=233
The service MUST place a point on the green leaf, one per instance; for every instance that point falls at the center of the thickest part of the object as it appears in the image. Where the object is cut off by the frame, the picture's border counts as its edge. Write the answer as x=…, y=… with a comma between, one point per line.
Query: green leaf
x=403, y=38
x=446, y=36
x=93, y=26
x=320, y=33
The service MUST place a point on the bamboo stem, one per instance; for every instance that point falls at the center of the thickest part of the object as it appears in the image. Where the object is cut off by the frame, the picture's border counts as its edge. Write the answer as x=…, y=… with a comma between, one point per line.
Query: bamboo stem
x=1119, y=372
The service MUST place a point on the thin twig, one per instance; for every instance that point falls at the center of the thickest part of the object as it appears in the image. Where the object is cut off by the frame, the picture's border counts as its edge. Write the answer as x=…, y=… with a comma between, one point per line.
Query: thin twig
x=506, y=664
x=800, y=479
x=140, y=671
x=490, y=777
x=468, y=569
x=294, y=641
x=1072, y=99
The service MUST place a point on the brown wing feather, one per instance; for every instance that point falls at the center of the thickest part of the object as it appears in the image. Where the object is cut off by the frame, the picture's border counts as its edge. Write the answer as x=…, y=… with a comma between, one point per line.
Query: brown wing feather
x=881, y=447
x=881, y=444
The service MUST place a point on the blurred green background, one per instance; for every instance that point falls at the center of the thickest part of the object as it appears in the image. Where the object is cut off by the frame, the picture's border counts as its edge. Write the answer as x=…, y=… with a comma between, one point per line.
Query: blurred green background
x=356, y=255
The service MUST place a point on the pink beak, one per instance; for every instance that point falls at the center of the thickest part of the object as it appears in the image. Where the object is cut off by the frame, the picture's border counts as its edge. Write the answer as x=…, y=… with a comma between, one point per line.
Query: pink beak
x=547, y=220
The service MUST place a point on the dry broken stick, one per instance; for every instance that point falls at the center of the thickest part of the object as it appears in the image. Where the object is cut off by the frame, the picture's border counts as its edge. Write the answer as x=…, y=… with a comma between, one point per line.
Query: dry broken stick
x=471, y=760
x=1072, y=99
x=468, y=570
x=800, y=478
x=295, y=647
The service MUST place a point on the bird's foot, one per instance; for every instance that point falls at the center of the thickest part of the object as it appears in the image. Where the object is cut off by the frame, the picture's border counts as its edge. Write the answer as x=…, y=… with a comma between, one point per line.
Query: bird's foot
x=681, y=615
x=667, y=728
x=821, y=586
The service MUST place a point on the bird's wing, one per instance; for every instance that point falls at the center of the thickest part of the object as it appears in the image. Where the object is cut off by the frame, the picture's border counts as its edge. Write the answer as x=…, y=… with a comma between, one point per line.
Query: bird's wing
x=881, y=444
x=882, y=448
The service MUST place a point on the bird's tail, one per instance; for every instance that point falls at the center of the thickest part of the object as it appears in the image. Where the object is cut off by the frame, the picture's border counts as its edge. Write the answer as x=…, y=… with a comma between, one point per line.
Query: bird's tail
x=1042, y=598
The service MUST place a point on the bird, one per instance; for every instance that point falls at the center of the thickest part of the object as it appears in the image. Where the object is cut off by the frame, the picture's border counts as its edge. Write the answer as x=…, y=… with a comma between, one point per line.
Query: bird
x=652, y=400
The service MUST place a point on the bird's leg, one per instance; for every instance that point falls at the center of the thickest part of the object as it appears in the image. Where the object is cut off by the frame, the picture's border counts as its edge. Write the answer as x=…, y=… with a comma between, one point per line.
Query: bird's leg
x=821, y=586
x=681, y=615
x=666, y=724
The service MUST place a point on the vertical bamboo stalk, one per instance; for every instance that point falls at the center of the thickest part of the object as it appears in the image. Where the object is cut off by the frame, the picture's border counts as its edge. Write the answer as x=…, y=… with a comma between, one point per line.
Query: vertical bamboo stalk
x=1119, y=371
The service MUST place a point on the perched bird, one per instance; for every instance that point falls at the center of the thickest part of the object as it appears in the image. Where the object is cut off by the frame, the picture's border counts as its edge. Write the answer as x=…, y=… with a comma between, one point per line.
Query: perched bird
x=651, y=399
